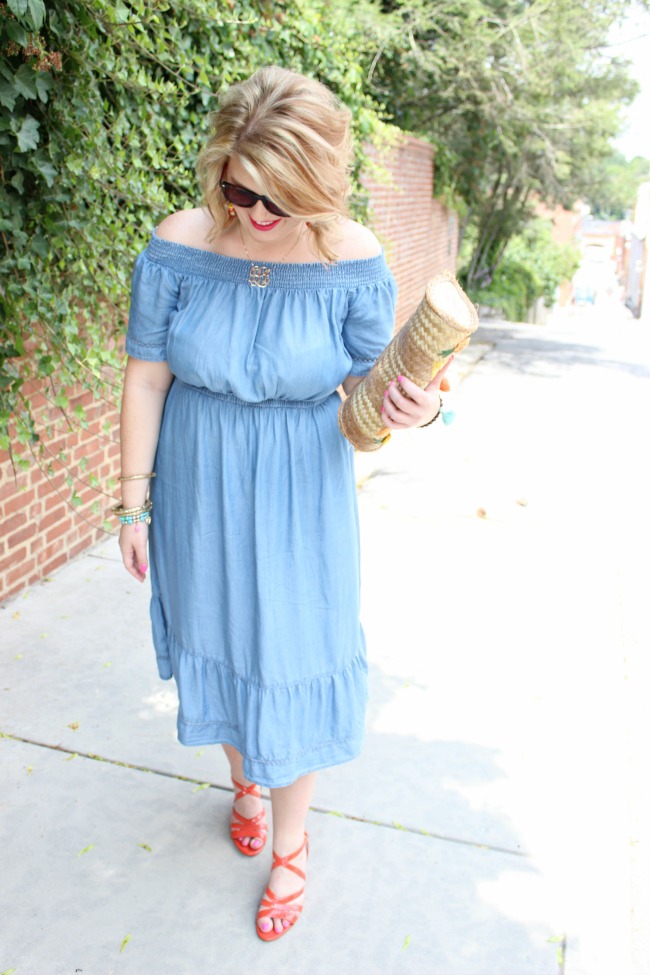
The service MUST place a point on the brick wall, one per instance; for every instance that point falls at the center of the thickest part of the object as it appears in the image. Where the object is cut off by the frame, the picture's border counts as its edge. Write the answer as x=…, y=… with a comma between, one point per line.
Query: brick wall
x=419, y=234
x=40, y=530
x=40, y=526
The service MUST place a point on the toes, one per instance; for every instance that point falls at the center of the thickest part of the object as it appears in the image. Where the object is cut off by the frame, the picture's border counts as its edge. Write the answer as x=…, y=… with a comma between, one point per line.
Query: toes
x=255, y=843
x=245, y=841
x=265, y=924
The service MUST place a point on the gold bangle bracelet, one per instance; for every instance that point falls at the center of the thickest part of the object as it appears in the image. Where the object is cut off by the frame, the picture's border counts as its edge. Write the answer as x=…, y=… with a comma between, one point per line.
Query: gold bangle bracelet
x=120, y=510
x=135, y=477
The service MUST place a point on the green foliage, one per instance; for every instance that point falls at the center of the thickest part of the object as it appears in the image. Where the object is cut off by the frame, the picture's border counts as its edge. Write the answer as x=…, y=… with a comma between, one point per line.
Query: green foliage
x=533, y=266
x=520, y=98
x=613, y=192
x=104, y=109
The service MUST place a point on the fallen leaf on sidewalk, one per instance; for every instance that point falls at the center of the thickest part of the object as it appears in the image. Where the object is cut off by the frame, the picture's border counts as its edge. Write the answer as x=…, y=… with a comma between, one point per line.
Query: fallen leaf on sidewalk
x=86, y=849
x=407, y=942
x=145, y=846
x=204, y=785
x=74, y=725
x=125, y=942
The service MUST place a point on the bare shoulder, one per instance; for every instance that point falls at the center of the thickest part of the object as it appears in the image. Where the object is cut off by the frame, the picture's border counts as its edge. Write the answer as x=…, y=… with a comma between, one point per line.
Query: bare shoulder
x=357, y=242
x=190, y=227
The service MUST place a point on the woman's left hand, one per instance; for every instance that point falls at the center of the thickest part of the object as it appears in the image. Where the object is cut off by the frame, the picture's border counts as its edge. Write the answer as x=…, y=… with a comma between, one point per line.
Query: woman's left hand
x=419, y=407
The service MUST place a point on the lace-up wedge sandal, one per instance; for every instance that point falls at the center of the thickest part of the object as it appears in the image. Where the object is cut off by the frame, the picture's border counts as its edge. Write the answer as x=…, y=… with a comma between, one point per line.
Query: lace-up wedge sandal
x=281, y=908
x=242, y=828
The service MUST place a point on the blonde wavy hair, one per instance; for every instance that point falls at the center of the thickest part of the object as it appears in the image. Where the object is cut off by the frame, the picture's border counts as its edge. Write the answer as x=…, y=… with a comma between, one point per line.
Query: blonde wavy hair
x=293, y=136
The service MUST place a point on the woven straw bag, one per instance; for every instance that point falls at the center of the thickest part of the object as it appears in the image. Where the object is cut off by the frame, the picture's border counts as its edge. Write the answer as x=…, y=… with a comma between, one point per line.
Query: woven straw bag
x=441, y=325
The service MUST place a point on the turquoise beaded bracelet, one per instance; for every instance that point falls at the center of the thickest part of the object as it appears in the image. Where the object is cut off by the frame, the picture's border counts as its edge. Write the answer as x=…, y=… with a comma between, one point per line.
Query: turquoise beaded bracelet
x=133, y=516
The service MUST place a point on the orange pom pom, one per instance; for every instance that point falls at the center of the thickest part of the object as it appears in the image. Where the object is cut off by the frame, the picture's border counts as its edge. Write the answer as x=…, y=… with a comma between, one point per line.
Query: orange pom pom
x=444, y=385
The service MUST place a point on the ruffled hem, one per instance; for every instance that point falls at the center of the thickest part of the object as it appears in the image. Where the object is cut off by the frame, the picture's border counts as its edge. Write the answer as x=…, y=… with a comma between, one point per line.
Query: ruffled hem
x=282, y=730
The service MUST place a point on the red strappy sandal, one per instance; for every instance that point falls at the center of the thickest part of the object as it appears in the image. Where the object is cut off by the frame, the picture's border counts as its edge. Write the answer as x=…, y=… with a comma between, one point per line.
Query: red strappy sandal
x=241, y=827
x=281, y=907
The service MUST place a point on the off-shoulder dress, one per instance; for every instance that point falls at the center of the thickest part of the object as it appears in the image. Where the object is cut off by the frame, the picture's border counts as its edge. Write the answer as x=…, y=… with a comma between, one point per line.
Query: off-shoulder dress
x=254, y=543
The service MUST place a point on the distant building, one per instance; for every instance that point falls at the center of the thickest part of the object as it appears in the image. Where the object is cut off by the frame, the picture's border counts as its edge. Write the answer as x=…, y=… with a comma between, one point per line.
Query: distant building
x=602, y=270
x=637, y=262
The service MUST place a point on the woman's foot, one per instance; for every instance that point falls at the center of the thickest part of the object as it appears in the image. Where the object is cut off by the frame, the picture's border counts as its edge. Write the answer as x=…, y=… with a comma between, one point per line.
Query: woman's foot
x=248, y=827
x=282, y=903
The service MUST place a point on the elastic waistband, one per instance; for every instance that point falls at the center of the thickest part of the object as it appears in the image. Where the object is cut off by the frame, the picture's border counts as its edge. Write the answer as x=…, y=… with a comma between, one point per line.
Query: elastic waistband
x=265, y=404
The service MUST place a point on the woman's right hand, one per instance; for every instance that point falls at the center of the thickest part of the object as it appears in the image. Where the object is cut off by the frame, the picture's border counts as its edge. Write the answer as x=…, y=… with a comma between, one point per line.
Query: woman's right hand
x=133, y=545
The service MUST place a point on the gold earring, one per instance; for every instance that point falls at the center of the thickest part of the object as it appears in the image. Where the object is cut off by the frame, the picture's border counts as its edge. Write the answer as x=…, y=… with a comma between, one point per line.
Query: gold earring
x=231, y=210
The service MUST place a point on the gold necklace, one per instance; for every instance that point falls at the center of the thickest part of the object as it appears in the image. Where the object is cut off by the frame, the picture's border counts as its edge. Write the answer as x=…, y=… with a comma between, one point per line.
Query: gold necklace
x=259, y=275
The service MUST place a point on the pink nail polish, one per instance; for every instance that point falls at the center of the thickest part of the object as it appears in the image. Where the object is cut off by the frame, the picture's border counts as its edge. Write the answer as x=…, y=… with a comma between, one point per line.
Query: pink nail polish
x=400, y=379
x=144, y=567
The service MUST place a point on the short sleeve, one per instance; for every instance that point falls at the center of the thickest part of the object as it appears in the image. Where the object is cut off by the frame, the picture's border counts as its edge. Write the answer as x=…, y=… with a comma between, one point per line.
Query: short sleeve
x=370, y=323
x=154, y=298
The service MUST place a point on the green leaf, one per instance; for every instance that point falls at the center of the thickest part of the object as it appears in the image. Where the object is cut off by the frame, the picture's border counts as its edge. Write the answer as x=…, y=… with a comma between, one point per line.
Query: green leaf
x=8, y=94
x=125, y=942
x=44, y=84
x=16, y=32
x=47, y=170
x=37, y=12
x=25, y=81
x=27, y=135
x=17, y=7
x=86, y=849
x=122, y=13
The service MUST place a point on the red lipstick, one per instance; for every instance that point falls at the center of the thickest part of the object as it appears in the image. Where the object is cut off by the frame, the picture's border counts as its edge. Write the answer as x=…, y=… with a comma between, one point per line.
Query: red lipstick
x=268, y=226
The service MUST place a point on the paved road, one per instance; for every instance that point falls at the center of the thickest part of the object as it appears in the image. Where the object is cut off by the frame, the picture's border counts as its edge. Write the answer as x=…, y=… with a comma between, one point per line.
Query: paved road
x=496, y=823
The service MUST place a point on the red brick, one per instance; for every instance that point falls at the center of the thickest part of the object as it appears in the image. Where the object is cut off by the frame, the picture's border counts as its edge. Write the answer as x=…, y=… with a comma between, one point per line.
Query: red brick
x=15, y=521
x=53, y=516
x=37, y=543
x=62, y=526
x=53, y=564
x=12, y=559
x=21, y=572
x=22, y=535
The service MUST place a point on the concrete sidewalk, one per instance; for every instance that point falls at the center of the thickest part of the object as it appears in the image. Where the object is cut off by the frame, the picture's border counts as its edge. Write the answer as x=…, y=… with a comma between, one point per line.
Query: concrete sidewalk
x=486, y=828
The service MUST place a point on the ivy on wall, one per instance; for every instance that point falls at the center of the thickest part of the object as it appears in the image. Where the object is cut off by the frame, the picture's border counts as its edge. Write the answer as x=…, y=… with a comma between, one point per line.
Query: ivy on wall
x=104, y=109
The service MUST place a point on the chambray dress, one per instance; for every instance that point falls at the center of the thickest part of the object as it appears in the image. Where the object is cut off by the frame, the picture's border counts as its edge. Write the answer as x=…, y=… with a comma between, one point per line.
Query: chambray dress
x=254, y=545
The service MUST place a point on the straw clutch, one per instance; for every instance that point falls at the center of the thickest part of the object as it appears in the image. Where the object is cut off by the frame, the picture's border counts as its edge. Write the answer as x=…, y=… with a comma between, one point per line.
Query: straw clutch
x=442, y=324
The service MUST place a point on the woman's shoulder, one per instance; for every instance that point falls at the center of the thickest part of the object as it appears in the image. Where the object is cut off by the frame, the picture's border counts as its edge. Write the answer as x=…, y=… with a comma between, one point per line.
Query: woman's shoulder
x=189, y=227
x=357, y=242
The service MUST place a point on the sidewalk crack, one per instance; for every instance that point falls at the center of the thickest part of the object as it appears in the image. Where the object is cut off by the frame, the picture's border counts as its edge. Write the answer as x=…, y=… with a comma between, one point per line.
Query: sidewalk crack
x=320, y=810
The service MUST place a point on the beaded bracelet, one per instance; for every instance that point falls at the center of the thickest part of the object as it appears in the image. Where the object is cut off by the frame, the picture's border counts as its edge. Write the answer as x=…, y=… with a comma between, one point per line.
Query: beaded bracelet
x=428, y=424
x=132, y=516
x=447, y=417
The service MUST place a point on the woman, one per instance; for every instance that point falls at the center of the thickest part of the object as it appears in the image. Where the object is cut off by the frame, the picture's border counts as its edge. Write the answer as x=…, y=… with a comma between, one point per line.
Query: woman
x=246, y=315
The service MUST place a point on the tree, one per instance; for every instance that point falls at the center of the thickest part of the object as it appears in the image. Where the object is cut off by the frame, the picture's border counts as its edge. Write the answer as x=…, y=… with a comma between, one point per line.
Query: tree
x=518, y=96
x=612, y=195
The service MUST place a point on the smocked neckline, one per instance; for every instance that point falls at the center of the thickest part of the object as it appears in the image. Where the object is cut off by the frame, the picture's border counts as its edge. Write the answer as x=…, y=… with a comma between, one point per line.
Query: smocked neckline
x=312, y=274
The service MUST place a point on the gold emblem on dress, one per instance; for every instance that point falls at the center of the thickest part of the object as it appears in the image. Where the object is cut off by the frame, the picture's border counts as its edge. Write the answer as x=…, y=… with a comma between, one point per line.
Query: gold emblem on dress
x=259, y=276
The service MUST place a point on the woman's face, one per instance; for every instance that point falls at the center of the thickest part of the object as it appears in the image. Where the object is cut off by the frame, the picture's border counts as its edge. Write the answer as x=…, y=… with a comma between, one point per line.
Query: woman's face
x=256, y=222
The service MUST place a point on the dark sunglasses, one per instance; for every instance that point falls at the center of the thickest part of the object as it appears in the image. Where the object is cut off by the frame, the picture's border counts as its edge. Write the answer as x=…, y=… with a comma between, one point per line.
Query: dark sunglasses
x=241, y=197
